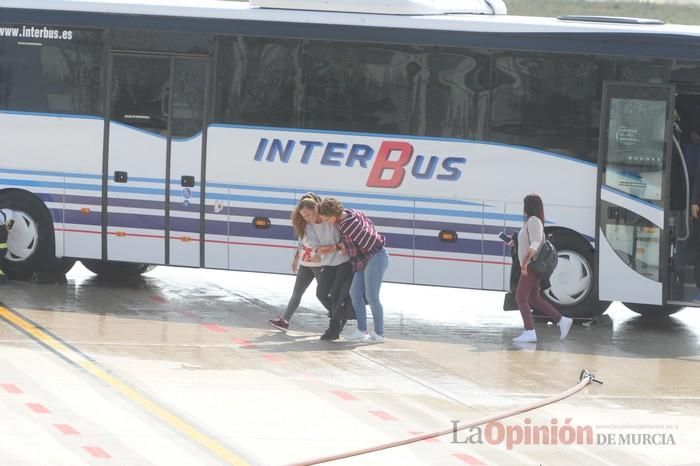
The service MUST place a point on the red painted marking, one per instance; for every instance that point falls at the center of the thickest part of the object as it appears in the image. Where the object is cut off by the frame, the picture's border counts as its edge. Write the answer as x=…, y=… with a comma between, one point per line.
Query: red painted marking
x=97, y=452
x=273, y=358
x=11, y=388
x=214, y=328
x=384, y=416
x=156, y=298
x=431, y=440
x=344, y=395
x=66, y=429
x=38, y=408
x=243, y=343
x=468, y=459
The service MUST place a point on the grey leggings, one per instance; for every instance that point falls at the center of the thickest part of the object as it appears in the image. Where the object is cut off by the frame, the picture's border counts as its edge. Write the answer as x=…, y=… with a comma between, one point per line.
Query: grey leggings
x=305, y=275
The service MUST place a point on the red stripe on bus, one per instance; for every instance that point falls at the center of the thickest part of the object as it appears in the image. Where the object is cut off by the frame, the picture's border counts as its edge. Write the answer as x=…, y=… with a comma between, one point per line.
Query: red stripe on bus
x=241, y=243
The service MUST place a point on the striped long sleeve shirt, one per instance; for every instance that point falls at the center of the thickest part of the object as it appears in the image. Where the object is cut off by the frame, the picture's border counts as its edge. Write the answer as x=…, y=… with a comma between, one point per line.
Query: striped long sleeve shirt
x=361, y=239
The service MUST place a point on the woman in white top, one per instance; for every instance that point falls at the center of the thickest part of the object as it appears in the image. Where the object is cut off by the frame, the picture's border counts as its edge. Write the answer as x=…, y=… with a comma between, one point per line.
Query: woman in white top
x=529, y=295
x=307, y=263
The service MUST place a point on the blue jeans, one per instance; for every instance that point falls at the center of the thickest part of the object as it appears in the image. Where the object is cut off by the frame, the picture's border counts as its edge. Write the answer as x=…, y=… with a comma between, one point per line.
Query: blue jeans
x=365, y=285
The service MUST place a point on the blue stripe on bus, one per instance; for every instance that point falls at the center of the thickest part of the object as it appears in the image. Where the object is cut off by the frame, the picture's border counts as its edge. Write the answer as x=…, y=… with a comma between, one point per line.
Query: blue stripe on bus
x=50, y=173
x=270, y=200
x=76, y=116
x=476, y=228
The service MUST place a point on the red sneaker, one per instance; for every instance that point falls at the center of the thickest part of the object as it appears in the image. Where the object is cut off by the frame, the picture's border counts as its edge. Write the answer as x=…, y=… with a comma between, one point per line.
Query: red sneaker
x=279, y=324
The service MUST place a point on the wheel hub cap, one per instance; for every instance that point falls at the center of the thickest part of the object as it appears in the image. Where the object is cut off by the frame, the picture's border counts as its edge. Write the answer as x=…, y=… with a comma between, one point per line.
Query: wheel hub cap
x=571, y=281
x=23, y=239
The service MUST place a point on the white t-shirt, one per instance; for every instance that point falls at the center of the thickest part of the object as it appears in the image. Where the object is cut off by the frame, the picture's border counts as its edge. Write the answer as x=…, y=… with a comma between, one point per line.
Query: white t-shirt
x=531, y=236
x=324, y=234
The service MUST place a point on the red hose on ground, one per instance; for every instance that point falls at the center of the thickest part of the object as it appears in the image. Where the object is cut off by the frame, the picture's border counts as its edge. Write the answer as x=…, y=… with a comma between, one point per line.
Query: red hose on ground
x=586, y=378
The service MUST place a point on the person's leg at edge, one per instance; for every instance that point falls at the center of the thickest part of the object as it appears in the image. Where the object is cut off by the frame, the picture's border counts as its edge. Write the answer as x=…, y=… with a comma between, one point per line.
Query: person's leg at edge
x=357, y=294
x=525, y=284
x=538, y=302
x=545, y=306
x=374, y=274
x=305, y=275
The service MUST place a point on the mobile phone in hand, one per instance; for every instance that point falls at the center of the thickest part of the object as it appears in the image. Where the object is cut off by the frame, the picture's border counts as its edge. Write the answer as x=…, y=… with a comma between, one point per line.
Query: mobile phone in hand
x=505, y=237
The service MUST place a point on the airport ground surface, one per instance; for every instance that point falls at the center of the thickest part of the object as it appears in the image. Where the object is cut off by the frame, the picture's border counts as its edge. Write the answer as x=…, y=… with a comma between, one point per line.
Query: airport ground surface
x=180, y=368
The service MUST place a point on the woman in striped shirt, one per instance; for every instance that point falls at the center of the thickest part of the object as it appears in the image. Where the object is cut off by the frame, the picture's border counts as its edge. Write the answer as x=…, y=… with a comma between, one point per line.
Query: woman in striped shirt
x=360, y=240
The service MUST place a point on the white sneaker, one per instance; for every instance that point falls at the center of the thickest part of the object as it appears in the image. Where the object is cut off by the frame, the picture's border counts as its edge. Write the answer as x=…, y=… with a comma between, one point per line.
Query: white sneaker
x=358, y=335
x=564, y=326
x=375, y=337
x=528, y=336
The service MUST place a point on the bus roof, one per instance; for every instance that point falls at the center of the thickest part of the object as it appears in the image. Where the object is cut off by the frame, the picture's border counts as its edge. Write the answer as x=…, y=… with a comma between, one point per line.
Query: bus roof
x=219, y=9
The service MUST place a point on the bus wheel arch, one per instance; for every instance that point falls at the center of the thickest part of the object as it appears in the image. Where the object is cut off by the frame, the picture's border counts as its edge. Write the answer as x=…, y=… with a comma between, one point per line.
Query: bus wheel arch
x=114, y=269
x=574, y=290
x=31, y=243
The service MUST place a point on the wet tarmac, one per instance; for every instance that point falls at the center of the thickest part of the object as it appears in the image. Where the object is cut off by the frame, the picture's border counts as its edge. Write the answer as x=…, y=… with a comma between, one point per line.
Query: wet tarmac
x=180, y=368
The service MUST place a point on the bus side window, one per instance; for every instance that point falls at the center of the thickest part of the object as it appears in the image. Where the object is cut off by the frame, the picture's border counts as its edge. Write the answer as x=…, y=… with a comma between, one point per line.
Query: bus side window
x=53, y=76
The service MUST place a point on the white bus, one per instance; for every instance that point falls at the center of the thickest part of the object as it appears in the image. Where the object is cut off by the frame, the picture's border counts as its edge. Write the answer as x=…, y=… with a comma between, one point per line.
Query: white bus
x=146, y=132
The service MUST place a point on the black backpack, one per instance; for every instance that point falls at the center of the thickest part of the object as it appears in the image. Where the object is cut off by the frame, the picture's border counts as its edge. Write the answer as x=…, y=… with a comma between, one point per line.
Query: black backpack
x=546, y=259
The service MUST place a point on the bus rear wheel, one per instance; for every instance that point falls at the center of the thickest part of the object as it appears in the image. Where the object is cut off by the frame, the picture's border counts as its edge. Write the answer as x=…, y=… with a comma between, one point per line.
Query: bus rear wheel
x=116, y=269
x=30, y=244
x=574, y=290
x=652, y=311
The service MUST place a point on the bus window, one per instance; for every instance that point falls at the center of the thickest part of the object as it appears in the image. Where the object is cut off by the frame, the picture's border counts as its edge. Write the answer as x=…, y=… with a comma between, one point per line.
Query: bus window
x=457, y=94
x=642, y=70
x=52, y=75
x=549, y=102
x=327, y=76
x=159, y=41
x=259, y=82
x=140, y=93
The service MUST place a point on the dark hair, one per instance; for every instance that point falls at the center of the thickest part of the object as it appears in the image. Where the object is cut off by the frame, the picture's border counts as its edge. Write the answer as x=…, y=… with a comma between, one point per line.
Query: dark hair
x=331, y=207
x=532, y=205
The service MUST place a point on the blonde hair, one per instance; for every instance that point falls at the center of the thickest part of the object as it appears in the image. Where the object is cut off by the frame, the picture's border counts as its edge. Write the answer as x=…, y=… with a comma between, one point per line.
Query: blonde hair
x=309, y=201
x=331, y=207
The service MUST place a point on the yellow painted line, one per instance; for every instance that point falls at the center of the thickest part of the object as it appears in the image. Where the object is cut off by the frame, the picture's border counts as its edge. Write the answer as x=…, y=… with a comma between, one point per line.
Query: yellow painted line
x=150, y=406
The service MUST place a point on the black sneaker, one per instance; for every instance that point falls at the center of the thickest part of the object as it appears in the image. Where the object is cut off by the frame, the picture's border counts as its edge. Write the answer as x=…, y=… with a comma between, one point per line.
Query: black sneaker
x=279, y=324
x=329, y=336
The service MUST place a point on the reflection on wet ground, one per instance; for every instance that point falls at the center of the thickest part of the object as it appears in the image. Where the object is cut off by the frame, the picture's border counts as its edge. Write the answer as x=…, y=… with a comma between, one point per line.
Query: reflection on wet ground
x=196, y=342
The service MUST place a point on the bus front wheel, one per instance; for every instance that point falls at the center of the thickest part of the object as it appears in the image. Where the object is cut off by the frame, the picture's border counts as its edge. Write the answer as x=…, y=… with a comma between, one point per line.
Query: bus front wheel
x=651, y=310
x=116, y=269
x=574, y=290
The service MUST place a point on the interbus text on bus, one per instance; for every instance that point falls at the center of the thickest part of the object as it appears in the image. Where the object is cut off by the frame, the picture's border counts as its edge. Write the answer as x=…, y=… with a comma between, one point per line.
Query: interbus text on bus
x=389, y=162
x=36, y=32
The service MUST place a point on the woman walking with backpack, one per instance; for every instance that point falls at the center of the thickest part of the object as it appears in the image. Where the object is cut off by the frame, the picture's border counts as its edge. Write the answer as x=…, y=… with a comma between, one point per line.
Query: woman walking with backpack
x=529, y=293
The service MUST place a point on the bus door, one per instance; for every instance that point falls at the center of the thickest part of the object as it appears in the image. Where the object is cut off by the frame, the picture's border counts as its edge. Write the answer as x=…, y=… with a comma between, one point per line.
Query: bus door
x=156, y=139
x=633, y=179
